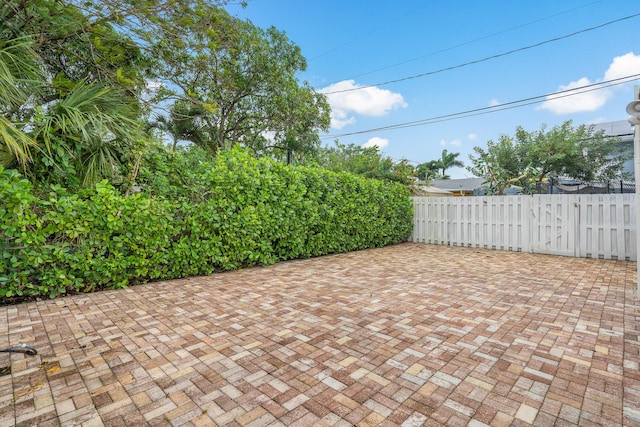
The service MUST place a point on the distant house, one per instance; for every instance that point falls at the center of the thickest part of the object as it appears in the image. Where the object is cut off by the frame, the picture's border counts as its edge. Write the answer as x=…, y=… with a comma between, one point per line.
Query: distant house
x=433, y=191
x=461, y=187
x=470, y=187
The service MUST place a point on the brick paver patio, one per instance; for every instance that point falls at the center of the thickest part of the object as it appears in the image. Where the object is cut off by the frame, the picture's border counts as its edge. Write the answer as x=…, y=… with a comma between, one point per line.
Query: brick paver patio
x=405, y=335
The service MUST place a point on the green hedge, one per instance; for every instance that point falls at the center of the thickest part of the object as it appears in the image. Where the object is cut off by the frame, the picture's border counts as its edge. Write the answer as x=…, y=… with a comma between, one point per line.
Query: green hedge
x=256, y=211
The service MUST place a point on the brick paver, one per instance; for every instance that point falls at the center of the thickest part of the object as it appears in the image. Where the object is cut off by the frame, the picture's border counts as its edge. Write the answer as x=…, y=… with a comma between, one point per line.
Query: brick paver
x=405, y=335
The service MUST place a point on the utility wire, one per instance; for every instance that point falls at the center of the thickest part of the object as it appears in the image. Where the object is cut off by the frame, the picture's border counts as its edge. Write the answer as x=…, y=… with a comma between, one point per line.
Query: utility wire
x=367, y=33
x=474, y=40
x=495, y=108
x=488, y=58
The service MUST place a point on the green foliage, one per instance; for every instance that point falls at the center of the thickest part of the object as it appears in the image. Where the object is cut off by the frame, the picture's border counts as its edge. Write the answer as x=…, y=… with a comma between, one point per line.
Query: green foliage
x=244, y=212
x=428, y=170
x=84, y=137
x=73, y=46
x=176, y=174
x=74, y=95
x=573, y=152
x=437, y=169
x=19, y=80
x=232, y=82
x=561, y=152
x=502, y=164
x=63, y=120
x=448, y=161
x=365, y=161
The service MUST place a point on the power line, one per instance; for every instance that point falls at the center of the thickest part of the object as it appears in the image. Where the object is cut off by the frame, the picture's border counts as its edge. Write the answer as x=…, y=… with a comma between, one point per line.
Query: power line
x=367, y=33
x=488, y=58
x=495, y=108
x=474, y=40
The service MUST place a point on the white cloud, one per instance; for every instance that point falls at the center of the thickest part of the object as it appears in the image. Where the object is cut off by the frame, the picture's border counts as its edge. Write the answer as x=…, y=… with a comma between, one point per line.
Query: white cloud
x=581, y=102
x=340, y=119
x=621, y=66
x=472, y=137
x=376, y=142
x=454, y=143
x=368, y=101
x=494, y=102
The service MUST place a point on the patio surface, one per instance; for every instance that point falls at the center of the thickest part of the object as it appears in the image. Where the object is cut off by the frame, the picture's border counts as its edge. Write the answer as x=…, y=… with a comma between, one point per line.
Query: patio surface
x=406, y=335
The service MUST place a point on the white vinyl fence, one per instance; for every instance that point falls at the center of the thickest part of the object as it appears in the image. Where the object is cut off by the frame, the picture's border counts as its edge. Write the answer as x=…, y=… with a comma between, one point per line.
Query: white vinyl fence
x=578, y=225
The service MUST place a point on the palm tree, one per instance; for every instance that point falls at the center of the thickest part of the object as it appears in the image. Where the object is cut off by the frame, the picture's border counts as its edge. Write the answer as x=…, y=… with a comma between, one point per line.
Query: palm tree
x=91, y=128
x=20, y=80
x=184, y=124
x=428, y=170
x=448, y=161
x=47, y=130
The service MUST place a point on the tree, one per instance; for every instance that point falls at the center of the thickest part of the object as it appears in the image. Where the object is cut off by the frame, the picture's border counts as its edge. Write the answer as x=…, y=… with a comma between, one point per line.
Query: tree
x=54, y=135
x=447, y=161
x=366, y=161
x=20, y=80
x=78, y=139
x=572, y=152
x=183, y=124
x=239, y=78
x=437, y=169
x=562, y=152
x=72, y=116
x=295, y=133
x=501, y=165
x=72, y=47
x=86, y=135
x=223, y=82
x=428, y=170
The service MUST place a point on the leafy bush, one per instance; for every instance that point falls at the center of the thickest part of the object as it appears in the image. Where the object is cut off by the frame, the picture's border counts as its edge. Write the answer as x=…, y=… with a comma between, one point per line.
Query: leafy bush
x=246, y=212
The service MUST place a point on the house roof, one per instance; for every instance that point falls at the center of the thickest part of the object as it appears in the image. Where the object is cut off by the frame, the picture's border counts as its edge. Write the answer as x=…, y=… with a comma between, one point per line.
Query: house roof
x=620, y=128
x=435, y=191
x=465, y=184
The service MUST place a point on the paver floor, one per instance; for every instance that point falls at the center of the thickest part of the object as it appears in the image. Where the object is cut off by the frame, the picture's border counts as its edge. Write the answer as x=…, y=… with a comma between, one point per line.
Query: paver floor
x=406, y=335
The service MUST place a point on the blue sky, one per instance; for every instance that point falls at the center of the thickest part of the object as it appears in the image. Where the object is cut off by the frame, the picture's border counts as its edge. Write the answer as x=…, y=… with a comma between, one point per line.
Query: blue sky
x=351, y=44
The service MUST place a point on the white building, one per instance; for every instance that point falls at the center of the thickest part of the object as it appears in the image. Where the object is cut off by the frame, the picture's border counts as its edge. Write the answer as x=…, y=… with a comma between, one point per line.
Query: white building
x=623, y=130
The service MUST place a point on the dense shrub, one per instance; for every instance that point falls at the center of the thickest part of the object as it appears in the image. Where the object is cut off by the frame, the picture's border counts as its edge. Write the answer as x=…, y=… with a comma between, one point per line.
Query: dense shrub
x=254, y=211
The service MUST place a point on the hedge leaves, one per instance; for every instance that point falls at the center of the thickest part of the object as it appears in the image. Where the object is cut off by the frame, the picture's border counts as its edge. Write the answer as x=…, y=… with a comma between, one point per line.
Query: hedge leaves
x=253, y=212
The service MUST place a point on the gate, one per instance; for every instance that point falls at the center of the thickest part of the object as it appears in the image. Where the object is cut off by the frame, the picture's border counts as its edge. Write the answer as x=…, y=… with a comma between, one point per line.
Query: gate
x=553, y=226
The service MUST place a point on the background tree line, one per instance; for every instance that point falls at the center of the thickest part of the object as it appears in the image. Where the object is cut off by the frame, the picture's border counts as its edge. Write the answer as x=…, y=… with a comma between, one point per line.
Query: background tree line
x=96, y=90
x=89, y=90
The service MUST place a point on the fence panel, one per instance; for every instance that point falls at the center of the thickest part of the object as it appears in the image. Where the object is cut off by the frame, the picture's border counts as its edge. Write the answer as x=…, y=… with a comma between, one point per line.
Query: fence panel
x=503, y=223
x=607, y=227
x=585, y=225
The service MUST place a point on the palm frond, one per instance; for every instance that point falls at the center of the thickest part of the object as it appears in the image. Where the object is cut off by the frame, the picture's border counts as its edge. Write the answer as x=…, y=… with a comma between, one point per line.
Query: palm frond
x=98, y=163
x=20, y=81
x=20, y=75
x=97, y=123
x=89, y=112
x=15, y=145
